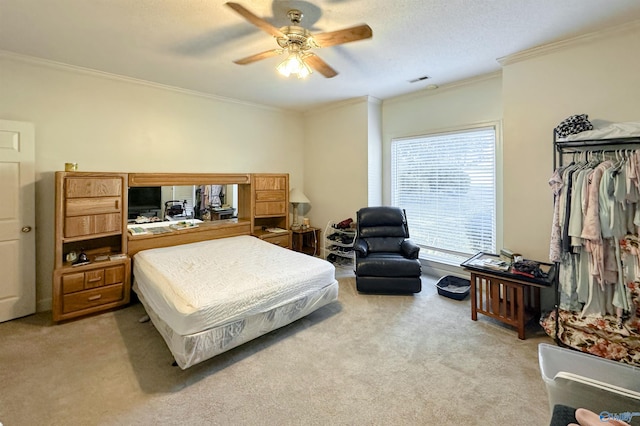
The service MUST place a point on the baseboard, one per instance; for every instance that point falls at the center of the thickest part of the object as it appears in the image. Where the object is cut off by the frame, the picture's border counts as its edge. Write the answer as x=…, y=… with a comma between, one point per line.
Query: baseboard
x=438, y=270
x=43, y=305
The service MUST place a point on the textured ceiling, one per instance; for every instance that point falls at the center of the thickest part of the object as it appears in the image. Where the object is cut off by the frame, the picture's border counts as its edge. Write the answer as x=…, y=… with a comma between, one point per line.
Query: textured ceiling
x=191, y=43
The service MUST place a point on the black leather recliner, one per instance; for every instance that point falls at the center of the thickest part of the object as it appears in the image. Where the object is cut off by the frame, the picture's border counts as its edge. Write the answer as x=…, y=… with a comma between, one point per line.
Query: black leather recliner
x=386, y=261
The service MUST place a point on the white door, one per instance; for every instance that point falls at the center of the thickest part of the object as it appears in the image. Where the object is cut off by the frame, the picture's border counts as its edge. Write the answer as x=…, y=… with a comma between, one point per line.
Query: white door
x=17, y=220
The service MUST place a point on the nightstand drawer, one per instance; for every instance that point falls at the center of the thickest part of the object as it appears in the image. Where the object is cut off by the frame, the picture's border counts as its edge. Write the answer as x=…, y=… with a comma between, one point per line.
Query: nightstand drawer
x=271, y=208
x=95, y=224
x=266, y=183
x=93, y=279
x=281, y=240
x=82, y=187
x=79, y=281
x=91, y=206
x=72, y=282
x=90, y=298
x=270, y=196
x=114, y=275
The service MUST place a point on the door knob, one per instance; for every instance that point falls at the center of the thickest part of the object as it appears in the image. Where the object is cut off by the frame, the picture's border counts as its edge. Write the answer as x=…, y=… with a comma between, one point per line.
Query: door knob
x=26, y=229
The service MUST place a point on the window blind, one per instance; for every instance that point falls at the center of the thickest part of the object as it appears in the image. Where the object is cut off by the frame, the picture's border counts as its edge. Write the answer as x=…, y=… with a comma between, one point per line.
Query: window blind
x=447, y=184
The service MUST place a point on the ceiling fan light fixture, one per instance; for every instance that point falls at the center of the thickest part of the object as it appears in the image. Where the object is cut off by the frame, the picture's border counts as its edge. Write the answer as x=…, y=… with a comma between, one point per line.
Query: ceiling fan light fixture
x=294, y=65
x=297, y=41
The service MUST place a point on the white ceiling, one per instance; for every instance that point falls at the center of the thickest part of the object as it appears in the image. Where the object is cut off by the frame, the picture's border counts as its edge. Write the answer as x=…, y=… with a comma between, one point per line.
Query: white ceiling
x=191, y=44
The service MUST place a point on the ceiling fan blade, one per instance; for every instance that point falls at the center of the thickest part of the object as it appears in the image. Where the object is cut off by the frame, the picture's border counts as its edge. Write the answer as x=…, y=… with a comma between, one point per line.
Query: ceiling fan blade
x=343, y=36
x=255, y=20
x=319, y=65
x=259, y=56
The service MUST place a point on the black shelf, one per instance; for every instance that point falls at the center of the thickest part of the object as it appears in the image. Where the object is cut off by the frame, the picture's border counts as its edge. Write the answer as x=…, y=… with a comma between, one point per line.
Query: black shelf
x=562, y=147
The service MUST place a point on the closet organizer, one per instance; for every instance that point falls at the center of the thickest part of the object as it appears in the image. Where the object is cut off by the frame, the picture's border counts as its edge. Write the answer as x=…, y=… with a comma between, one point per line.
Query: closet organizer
x=595, y=244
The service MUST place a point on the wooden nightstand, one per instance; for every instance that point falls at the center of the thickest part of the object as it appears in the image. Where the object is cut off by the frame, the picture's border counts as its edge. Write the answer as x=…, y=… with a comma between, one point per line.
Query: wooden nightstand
x=90, y=217
x=281, y=239
x=306, y=240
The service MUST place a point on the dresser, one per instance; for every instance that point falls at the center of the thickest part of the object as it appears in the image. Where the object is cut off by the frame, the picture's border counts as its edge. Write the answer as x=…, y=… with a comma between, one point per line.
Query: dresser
x=92, y=272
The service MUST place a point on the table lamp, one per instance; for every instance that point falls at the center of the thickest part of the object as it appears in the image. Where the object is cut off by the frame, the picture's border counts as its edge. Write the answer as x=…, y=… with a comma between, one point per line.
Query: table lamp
x=297, y=197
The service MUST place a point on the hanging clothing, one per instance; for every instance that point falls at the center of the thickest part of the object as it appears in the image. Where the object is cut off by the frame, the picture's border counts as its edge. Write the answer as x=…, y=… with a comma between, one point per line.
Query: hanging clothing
x=555, y=249
x=594, y=213
x=211, y=195
x=576, y=212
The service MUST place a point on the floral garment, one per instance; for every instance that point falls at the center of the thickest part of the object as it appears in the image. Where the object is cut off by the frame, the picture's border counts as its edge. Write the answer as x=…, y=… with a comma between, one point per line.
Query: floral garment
x=605, y=336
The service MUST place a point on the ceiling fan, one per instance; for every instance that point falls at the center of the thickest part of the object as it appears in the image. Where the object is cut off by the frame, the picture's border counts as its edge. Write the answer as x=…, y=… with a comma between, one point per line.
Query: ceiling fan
x=297, y=43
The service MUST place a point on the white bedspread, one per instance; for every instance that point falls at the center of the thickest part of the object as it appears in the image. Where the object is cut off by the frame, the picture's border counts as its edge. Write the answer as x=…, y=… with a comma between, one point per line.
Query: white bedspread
x=194, y=287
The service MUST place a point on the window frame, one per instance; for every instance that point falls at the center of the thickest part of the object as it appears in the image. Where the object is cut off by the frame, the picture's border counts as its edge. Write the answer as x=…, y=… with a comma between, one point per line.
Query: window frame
x=439, y=265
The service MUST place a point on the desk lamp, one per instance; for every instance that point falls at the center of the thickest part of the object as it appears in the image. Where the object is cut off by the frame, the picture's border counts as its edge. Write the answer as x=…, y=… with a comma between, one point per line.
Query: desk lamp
x=297, y=197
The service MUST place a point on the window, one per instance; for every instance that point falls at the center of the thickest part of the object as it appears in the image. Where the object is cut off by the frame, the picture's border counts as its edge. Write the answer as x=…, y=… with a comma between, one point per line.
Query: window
x=446, y=182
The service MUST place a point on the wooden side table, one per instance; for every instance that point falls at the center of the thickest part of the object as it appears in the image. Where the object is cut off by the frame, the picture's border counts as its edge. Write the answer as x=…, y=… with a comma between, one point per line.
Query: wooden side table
x=219, y=214
x=306, y=240
x=509, y=298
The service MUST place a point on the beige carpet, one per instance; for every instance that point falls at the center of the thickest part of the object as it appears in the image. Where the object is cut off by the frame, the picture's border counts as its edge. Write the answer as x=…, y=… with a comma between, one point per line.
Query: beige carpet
x=365, y=360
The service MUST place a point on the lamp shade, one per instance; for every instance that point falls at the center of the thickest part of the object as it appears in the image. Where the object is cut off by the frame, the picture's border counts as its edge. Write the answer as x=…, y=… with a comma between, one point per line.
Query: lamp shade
x=294, y=65
x=296, y=196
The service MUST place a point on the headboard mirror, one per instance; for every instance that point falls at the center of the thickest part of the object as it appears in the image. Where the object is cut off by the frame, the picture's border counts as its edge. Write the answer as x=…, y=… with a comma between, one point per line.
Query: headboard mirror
x=179, y=196
x=179, y=202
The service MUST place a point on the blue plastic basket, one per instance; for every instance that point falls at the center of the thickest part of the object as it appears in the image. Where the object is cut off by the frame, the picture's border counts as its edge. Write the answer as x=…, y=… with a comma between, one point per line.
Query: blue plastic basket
x=453, y=287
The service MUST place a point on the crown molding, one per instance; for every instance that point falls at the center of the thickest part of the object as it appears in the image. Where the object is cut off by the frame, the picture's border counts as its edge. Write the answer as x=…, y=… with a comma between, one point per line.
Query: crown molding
x=339, y=104
x=570, y=42
x=131, y=80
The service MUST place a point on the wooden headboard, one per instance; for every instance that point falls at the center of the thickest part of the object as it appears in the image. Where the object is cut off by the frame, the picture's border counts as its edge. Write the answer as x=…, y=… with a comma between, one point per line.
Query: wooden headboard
x=171, y=179
x=205, y=230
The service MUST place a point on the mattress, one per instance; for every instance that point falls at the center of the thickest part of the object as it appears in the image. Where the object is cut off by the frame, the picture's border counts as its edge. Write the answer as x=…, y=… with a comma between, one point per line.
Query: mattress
x=196, y=287
x=194, y=348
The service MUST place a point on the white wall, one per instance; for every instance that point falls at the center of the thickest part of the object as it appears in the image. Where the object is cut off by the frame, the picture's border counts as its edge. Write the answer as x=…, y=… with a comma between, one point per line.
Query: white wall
x=599, y=76
x=335, y=161
x=374, y=153
x=109, y=124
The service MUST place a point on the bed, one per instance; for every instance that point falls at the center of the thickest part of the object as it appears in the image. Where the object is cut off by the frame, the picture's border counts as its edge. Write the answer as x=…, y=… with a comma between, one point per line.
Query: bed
x=207, y=297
